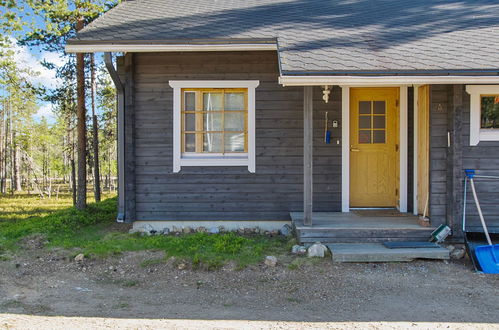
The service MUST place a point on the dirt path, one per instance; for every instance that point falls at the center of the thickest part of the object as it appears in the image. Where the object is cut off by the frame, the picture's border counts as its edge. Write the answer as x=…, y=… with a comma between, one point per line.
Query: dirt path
x=49, y=284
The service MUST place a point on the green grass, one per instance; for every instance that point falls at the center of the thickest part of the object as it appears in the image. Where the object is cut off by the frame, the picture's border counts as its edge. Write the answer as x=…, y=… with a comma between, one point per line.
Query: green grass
x=92, y=232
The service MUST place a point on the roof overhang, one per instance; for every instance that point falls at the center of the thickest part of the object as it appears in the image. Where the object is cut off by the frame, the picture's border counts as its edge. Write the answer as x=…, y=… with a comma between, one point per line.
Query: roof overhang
x=76, y=46
x=386, y=80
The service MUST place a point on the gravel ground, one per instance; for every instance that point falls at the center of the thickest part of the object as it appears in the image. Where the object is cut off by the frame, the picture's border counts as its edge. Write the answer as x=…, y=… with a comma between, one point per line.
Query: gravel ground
x=49, y=283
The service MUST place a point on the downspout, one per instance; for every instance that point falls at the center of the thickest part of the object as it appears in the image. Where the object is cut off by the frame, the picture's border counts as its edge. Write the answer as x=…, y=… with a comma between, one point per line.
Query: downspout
x=120, y=89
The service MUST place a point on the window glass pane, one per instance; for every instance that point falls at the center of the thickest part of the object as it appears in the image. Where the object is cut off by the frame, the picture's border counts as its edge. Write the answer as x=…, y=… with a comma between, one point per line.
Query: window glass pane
x=212, y=142
x=234, y=101
x=379, y=107
x=365, y=107
x=364, y=136
x=190, y=122
x=379, y=136
x=234, y=142
x=212, y=121
x=212, y=101
x=189, y=101
x=490, y=111
x=190, y=142
x=365, y=122
x=234, y=121
x=379, y=121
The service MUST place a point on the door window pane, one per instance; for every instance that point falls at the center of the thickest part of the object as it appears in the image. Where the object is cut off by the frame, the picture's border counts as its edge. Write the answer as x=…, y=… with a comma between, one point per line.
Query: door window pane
x=490, y=111
x=212, y=142
x=364, y=136
x=189, y=101
x=234, y=101
x=379, y=107
x=234, y=142
x=212, y=102
x=379, y=122
x=365, y=107
x=379, y=136
x=212, y=121
x=365, y=122
x=234, y=121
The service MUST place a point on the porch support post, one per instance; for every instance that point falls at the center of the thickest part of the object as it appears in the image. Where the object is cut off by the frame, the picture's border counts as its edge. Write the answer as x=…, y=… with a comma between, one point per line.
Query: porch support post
x=307, y=154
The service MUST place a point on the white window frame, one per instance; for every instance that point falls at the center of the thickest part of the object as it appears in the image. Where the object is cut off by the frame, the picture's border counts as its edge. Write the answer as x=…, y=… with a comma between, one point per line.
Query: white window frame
x=477, y=133
x=201, y=159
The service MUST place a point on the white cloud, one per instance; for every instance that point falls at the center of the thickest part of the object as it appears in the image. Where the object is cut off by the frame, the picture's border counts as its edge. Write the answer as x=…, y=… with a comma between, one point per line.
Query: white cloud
x=26, y=58
x=45, y=111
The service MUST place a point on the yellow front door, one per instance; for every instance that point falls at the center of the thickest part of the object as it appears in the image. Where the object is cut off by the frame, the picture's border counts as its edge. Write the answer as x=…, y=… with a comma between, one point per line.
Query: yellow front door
x=374, y=145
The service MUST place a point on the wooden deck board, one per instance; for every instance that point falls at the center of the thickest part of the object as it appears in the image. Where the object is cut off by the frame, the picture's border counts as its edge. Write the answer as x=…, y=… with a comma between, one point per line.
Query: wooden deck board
x=336, y=227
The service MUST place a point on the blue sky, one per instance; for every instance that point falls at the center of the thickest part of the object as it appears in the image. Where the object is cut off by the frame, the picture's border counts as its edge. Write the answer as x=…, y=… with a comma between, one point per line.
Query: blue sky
x=32, y=58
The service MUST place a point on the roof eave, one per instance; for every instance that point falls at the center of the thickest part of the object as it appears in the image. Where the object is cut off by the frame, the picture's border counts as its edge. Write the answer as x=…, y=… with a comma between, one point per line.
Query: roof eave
x=385, y=80
x=192, y=45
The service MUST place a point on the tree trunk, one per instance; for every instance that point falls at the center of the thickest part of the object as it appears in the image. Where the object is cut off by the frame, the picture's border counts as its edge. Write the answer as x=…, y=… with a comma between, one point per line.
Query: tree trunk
x=73, y=180
x=81, y=200
x=2, y=149
x=17, y=167
x=95, y=128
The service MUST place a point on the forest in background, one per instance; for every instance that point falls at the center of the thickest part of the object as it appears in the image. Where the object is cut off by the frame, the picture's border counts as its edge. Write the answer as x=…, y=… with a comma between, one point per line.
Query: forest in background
x=47, y=157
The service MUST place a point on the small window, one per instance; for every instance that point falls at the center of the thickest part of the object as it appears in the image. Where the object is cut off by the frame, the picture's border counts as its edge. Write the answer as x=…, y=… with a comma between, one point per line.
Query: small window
x=484, y=113
x=214, y=123
x=489, y=105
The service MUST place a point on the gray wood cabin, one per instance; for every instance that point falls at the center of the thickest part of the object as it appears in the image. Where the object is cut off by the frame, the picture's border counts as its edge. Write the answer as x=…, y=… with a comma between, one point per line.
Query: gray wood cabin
x=252, y=113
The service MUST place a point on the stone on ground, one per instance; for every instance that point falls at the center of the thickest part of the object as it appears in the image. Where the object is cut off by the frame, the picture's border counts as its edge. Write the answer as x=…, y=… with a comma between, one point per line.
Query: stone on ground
x=317, y=250
x=457, y=253
x=286, y=230
x=214, y=230
x=298, y=249
x=80, y=257
x=271, y=261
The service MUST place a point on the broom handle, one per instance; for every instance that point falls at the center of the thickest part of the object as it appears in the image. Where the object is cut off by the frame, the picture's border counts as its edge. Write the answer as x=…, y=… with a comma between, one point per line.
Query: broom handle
x=480, y=212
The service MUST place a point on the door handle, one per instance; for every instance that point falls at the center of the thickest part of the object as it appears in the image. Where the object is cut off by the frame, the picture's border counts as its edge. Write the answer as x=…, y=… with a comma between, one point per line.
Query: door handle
x=354, y=149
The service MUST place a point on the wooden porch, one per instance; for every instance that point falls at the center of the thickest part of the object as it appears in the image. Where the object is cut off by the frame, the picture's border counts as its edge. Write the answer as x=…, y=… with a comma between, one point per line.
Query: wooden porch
x=359, y=227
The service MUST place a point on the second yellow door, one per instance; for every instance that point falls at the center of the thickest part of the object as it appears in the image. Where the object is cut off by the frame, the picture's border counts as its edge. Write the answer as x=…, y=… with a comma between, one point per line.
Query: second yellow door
x=374, y=147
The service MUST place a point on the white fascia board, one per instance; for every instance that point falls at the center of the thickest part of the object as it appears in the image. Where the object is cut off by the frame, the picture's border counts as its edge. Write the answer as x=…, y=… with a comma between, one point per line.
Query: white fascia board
x=145, y=48
x=383, y=80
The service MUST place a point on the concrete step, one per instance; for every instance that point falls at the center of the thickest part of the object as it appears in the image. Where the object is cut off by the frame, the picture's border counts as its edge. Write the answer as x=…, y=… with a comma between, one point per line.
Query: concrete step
x=377, y=252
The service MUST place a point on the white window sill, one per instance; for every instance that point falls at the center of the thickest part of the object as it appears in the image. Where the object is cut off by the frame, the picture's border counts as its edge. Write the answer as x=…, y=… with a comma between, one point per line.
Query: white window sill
x=217, y=160
x=489, y=134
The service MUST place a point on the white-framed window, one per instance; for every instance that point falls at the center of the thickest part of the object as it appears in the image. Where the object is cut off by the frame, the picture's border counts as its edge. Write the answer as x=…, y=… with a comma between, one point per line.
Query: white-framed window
x=484, y=113
x=214, y=123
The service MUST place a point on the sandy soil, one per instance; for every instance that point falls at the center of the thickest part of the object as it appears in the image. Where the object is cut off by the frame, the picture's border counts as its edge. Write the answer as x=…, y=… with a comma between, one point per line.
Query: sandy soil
x=49, y=283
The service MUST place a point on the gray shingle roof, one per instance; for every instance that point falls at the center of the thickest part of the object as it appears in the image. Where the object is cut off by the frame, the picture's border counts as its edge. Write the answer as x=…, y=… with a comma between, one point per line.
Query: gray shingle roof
x=323, y=35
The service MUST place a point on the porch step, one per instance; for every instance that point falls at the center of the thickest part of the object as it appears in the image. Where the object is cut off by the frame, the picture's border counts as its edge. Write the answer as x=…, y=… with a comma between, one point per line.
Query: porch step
x=377, y=252
x=355, y=227
x=364, y=235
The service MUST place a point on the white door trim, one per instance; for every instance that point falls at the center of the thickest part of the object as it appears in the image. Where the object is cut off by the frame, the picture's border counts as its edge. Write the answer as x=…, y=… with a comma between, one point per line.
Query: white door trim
x=345, y=148
x=415, y=150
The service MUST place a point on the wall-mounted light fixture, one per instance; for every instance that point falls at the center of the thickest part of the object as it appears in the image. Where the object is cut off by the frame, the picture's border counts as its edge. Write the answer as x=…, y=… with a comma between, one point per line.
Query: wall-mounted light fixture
x=326, y=92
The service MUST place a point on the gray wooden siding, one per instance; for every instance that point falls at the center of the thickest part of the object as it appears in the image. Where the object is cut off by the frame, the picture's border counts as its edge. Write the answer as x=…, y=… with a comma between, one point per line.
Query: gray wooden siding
x=438, y=153
x=485, y=159
x=450, y=112
x=230, y=193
